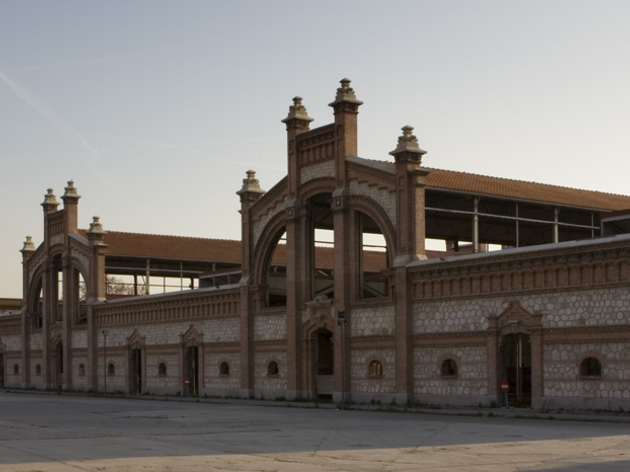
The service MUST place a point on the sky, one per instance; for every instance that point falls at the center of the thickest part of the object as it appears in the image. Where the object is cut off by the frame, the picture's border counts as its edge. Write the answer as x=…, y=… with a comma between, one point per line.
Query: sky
x=156, y=109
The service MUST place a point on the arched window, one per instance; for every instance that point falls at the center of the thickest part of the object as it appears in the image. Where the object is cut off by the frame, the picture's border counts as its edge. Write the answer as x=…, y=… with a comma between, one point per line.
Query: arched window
x=111, y=370
x=38, y=369
x=81, y=370
x=224, y=369
x=162, y=369
x=372, y=246
x=591, y=367
x=276, y=273
x=449, y=368
x=375, y=370
x=16, y=369
x=272, y=369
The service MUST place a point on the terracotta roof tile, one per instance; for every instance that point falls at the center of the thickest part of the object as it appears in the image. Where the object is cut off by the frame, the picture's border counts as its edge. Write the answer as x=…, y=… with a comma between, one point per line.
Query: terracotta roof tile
x=522, y=190
x=526, y=190
x=171, y=247
x=224, y=250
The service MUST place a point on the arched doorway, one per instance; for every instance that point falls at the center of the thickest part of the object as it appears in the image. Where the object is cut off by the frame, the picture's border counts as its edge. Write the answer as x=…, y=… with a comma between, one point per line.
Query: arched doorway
x=324, y=357
x=135, y=369
x=516, y=357
x=192, y=369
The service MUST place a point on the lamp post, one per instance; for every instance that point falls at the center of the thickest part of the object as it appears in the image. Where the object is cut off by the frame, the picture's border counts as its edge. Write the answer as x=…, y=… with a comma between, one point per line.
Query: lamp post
x=341, y=321
x=105, y=359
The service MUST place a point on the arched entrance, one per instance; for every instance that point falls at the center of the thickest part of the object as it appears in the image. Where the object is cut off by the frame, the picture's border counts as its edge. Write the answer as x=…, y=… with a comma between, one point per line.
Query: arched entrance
x=135, y=369
x=324, y=357
x=192, y=369
x=519, y=356
x=516, y=357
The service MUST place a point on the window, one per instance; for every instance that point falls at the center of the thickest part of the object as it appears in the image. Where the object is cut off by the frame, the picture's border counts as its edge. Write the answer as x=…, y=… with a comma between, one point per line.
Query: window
x=375, y=370
x=591, y=367
x=272, y=369
x=38, y=369
x=16, y=369
x=224, y=369
x=449, y=368
x=162, y=369
x=111, y=370
x=81, y=370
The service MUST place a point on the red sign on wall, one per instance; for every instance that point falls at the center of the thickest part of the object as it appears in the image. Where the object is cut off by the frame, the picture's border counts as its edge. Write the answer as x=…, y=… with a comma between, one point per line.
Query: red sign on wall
x=505, y=386
x=186, y=382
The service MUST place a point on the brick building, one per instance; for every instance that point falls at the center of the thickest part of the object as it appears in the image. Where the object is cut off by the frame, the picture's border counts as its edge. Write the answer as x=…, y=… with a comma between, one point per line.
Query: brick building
x=331, y=289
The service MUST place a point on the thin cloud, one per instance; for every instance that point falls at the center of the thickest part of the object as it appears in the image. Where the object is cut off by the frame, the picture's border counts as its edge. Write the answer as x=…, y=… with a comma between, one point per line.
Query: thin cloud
x=101, y=60
x=43, y=109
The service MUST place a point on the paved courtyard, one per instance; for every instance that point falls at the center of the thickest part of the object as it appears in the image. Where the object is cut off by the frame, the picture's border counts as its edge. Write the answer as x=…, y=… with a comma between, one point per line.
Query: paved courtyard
x=66, y=433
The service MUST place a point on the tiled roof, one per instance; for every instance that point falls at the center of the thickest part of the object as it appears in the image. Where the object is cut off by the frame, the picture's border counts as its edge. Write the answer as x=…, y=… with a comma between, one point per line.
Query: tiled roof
x=522, y=190
x=171, y=247
x=224, y=250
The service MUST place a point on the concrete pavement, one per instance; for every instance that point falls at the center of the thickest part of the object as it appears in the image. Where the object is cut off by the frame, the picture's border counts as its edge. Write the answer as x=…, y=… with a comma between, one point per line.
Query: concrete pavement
x=63, y=433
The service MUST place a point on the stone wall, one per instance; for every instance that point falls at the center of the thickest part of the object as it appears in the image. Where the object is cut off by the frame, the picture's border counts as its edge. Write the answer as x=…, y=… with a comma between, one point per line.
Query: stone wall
x=168, y=383
x=564, y=385
x=215, y=383
x=270, y=327
x=366, y=388
x=469, y=386
x=373, y=321
x=266, y=386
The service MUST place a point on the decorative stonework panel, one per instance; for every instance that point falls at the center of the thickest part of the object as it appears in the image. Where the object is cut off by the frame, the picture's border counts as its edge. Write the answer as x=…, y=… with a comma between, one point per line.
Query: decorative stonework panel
x=12, y=343
x=562, y=376
x=212, y=374
x=453, y=316
x=383, y=197
x=270, y=327
x=360, y=361
x=322, y=169
x=79, y=380
x=171, y=379
x=472, y=371
x=217, y=330
x=260, y=224
x=262, y=381
x=373, y=321
x=36, y=341
x=79, y=338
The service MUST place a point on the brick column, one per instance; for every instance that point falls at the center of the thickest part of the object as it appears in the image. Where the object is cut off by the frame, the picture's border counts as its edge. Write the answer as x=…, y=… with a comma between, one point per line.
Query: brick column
x=95, y=285
x=410, y=236
x=249, y=194
x=27, y=320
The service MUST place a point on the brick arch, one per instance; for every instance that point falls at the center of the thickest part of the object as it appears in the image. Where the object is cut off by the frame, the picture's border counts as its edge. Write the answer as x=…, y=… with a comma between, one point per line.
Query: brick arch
x=317, y=186
x=585, y=355
x=458, y=363
x=375, y=211
x=381, y=360
x=263, y=251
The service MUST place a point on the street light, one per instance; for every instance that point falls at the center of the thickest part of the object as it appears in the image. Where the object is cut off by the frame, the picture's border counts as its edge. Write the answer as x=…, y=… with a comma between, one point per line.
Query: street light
x=341, y=321
x=105, y=360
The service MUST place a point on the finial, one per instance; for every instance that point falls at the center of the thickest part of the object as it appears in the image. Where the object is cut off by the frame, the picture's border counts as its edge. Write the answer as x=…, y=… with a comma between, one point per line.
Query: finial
x=96, y=227
x=250, y=184
x=297, y=111
x=71, y=191
x=28, y=244
x=50, y=198
x=345, y=93
x=408, y=143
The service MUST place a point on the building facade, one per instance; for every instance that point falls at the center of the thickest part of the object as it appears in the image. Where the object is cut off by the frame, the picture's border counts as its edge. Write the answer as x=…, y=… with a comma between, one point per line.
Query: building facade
x=332, y=293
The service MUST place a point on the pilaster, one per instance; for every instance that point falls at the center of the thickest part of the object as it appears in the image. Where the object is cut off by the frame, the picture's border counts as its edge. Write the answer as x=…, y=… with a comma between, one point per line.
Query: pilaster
x=27, y=322
x=346, y=109
x=249, y=194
